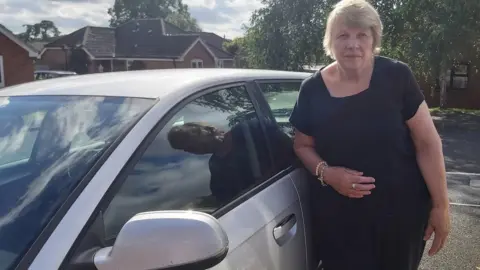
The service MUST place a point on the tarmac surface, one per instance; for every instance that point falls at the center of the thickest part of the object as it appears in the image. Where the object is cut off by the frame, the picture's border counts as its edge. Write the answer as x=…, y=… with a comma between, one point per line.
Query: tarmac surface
x=461, y=144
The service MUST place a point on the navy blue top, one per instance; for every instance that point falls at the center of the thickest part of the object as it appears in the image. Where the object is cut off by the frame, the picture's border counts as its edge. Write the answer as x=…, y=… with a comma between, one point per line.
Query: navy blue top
x=367, y=132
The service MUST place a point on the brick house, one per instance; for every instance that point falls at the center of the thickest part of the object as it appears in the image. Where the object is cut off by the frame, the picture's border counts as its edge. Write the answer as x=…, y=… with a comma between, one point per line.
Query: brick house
x=138, y=44
x=463, y=88
x=17, y=59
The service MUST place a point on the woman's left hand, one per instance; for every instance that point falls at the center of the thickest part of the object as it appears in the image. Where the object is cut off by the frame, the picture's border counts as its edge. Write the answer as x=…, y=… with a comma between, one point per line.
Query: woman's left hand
x=438, y=223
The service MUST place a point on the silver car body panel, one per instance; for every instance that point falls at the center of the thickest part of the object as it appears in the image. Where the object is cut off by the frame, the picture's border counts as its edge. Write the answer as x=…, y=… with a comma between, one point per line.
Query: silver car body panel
x=260, y=252
x=250, y=231
x=300, y=178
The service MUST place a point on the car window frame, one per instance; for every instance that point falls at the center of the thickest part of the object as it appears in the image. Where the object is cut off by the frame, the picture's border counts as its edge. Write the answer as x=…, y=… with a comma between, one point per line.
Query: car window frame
x=263, y=102
x=263, y=98
x=139, y=152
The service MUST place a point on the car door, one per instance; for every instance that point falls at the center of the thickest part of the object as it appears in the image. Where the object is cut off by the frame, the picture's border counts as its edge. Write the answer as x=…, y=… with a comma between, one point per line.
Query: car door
x=240, y=183
x=280, y=97
x=280, y=243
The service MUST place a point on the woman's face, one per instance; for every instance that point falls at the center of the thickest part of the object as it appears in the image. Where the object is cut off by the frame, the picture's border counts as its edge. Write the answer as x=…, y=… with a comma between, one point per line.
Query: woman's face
x=352, y=46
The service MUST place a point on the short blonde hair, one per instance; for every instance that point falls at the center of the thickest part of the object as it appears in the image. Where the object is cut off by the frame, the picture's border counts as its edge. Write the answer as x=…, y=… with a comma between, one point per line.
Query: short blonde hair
x=354, y=13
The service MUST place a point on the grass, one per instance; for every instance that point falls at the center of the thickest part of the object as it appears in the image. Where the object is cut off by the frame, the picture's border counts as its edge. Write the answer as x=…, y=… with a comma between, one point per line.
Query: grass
x=437, y=110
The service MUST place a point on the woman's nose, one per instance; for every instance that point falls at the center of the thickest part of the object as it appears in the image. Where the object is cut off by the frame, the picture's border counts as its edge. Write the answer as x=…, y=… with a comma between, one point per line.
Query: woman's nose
x=352, y=43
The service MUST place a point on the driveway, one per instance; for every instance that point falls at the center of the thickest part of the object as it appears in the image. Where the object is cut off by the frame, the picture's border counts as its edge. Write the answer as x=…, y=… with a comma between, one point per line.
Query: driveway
x=461, y=141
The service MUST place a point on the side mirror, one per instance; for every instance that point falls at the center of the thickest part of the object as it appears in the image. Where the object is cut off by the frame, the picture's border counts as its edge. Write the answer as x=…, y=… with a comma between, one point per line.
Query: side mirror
x=166, y=240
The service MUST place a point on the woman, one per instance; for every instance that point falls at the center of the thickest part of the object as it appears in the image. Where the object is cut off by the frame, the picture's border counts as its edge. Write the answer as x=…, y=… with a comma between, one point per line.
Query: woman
x=364, y=131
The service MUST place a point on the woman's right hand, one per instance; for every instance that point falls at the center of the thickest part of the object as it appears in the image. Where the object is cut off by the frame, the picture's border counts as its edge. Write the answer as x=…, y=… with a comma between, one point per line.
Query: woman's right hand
x=349, y=182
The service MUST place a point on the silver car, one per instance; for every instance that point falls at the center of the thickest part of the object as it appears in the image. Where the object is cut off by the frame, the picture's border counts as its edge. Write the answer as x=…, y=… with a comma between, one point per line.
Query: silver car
x=165, y=169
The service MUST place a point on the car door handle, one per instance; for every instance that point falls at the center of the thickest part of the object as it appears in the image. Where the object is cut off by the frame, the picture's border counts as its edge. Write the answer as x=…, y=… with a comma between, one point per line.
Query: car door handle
x=285, y=230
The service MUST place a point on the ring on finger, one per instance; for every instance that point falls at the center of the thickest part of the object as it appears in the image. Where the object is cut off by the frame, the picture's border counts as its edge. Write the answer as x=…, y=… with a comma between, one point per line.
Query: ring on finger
x=353, y=186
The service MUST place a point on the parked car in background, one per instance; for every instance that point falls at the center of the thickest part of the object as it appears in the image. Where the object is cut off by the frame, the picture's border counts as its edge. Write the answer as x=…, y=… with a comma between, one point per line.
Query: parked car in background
x=50, y=74
x=89, y=178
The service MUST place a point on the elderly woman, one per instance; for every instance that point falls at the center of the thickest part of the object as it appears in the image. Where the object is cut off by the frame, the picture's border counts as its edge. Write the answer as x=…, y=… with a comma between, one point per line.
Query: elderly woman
x=365, y=133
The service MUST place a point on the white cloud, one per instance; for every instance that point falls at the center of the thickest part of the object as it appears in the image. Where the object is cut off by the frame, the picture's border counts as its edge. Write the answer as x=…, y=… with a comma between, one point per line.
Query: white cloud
x=224, y=17
x=68, y=16
x=244, y=4
x=227, y=30
x=210, y=4
x=229, y=17
x=92, y=13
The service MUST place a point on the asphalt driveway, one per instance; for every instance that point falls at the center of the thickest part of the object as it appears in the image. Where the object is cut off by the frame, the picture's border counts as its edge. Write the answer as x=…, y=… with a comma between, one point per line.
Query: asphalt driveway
x=460, y=134
x=461, y=140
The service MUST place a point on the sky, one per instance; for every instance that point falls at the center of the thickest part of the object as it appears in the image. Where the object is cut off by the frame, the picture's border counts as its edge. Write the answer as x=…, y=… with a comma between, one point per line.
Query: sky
x=223, y=17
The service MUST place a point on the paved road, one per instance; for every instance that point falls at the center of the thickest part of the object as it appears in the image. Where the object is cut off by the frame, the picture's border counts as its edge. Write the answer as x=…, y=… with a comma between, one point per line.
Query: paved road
x=462, y=157
x=463, y=248
x=461, y=150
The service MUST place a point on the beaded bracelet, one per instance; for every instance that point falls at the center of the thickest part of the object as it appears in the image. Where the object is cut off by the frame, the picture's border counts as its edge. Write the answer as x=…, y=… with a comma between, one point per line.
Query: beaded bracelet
x=318, y=174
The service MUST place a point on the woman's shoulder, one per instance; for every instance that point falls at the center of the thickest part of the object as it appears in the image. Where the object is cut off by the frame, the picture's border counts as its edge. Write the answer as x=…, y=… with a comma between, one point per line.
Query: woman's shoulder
x=387, y=63
x=313, y=79
x=312, y=82
x=392, y=69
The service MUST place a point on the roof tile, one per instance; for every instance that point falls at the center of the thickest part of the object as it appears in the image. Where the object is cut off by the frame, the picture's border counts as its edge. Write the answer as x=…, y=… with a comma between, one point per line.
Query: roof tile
x=73, y=39
x=100, y=41
x=143, y=38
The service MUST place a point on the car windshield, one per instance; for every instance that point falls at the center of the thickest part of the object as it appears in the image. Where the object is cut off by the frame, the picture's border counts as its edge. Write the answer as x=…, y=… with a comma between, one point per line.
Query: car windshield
x=47, y=146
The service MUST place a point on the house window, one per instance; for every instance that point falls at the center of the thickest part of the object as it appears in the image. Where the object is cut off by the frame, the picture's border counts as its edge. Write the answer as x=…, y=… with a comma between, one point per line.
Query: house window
x=456, y=78
x=459, y=77
x=220, y=63
x=2, y=76
x=197, y=63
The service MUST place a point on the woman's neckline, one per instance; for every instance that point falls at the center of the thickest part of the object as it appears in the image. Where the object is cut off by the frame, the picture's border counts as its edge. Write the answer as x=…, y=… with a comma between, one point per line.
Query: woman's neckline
x=375, y=64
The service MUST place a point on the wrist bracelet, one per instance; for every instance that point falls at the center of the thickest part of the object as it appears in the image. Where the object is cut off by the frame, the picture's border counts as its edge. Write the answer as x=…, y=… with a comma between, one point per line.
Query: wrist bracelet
x=320, y=175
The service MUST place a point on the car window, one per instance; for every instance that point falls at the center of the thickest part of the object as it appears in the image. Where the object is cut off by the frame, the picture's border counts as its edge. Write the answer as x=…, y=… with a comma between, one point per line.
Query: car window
x=281, y=97
x=47, y=145
x=210, y=152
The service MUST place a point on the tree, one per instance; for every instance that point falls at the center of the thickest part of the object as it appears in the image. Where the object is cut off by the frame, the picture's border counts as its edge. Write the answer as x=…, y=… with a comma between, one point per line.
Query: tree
x=237, y=48
x=234, y=46
x=42, y=31
x=174, y=11
x=287, y=34
x=183, y=19
x=433, y=36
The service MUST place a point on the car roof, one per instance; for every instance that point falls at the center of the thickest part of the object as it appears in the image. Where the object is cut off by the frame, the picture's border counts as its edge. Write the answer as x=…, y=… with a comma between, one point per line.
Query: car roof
x=146, y=83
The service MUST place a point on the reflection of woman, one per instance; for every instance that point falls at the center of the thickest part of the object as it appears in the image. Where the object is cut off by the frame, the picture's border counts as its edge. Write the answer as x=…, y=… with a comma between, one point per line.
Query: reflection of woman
x=238, y=157
x=364, y=130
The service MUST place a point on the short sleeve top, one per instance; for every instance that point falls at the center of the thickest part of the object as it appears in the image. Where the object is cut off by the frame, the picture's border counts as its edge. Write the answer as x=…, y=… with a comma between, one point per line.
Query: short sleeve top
x=367, y=131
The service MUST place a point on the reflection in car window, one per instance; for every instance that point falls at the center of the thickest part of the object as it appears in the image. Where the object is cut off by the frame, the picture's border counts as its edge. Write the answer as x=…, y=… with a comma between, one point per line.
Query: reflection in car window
x=281, y=96
x=211, y=151
x=26, y=136
x=47, y=145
